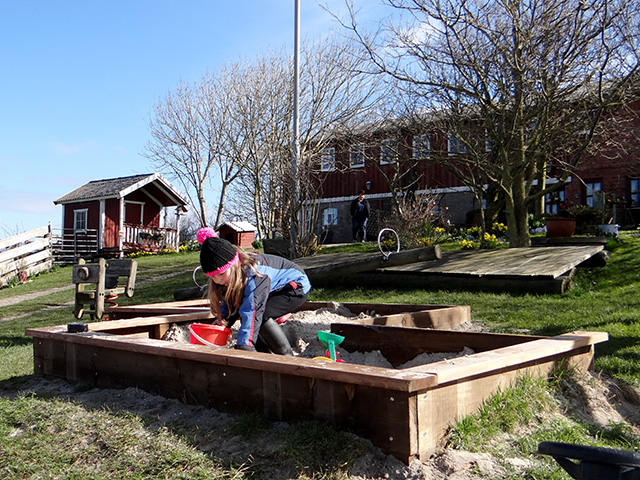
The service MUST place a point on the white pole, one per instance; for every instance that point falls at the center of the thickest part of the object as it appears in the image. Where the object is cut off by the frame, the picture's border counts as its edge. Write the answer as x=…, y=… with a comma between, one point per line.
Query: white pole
x=296, y=128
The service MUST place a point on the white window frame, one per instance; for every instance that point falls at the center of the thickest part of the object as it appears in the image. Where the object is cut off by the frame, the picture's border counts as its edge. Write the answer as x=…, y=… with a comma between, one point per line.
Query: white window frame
x=328, y=160
x=81, y=217
x=356, y=155
x=455, y=146
x=421, y=145
x=330, y=216
x=591, y=187
x=488, y=146
x=634, y=192
x=388, y=151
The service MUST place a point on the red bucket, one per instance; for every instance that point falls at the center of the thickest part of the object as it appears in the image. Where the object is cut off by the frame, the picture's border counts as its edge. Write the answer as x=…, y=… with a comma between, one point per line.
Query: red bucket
x=205, y=334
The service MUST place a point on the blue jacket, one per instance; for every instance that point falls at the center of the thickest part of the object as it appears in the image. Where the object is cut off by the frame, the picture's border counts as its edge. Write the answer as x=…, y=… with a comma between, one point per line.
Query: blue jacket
x=277, y=273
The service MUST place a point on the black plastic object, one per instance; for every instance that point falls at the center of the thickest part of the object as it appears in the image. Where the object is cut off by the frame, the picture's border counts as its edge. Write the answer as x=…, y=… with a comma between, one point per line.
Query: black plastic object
x=192, y=293
x=593, y=462
x=77, y=327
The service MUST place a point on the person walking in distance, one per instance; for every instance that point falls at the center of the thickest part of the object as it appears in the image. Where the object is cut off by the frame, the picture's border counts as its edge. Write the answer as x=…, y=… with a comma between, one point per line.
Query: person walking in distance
x=359, y=215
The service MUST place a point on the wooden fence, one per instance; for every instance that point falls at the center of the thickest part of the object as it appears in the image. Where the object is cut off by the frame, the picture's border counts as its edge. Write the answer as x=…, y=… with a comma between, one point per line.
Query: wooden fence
x=24, y=255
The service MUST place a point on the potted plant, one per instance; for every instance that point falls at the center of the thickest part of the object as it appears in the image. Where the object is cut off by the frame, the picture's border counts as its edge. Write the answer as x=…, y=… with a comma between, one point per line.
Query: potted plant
x=561, y=224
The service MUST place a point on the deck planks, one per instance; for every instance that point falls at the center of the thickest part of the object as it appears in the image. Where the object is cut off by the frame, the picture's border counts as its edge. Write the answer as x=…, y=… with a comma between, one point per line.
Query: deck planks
x=549, y=262
x=524, y=270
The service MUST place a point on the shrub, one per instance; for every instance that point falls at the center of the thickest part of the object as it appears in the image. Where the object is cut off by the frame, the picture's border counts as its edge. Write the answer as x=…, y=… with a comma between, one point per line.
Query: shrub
x=418, y=222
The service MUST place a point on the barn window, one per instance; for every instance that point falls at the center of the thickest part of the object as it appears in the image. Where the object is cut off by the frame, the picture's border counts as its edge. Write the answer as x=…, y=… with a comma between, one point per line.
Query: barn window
x=388, y=151
x=80, y=220
x=356, y=155
x=634, y=192
x=330, y=216
x=328, y=161
x=456, y=145
x=421, y=146
x=554, y=201
x=590, y=189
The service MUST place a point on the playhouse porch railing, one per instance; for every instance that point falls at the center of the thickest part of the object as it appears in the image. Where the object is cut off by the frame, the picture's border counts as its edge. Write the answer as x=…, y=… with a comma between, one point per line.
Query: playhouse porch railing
x=67, y=244
x=141, y=237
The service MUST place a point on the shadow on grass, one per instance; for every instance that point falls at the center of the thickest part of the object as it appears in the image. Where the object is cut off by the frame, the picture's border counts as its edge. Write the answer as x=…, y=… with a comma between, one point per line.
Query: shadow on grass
x=8, y=341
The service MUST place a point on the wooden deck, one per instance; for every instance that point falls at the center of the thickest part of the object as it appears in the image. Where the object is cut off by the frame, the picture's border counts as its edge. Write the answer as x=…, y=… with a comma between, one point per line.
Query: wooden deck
x=527, y=270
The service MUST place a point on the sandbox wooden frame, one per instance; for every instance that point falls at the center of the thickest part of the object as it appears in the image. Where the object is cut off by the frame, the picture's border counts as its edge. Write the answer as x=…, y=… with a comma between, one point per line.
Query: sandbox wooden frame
x=404, y=412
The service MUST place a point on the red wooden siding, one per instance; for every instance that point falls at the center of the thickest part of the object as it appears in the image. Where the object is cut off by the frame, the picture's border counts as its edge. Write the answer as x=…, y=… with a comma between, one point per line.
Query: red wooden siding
x=347, y=182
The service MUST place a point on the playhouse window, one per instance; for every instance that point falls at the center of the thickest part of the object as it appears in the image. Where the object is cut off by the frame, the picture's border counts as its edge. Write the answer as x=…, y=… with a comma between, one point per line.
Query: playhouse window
x=134, y=212
x=80, y=220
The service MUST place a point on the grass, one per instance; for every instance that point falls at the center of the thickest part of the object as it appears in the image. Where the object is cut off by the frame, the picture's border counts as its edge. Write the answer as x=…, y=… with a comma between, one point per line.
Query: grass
x=75, y=443
x=604, y=299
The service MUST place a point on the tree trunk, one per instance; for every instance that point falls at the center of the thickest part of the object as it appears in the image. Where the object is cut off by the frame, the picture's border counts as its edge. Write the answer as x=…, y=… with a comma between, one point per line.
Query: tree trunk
x=203, y=208
x=518, y=215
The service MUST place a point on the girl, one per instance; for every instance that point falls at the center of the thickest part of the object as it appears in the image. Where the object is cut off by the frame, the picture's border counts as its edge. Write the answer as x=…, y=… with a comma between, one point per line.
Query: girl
x=255, y=288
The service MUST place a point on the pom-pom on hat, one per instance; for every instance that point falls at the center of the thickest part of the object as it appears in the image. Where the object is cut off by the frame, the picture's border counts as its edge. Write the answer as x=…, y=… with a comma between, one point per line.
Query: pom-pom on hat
x=216, y=254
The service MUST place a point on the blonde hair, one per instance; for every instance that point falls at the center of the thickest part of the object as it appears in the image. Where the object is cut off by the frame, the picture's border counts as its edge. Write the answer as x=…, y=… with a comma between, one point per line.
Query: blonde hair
x=233, y=293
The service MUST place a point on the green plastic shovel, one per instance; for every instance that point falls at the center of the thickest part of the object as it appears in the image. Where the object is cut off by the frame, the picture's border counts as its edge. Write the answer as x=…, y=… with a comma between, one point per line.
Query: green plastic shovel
x=330, y=340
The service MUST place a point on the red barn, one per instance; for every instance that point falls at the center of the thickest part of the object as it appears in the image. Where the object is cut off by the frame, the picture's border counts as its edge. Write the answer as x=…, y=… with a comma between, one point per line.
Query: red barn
x=116, y=216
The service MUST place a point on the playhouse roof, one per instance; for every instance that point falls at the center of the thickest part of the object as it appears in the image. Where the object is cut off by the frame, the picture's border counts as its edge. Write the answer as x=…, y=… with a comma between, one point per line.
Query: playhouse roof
x=239, y=226
x=121, y=187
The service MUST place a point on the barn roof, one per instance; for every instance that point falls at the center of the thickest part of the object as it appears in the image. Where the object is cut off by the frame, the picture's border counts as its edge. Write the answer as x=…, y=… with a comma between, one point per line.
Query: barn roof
x=239, y=226
x=121, y=187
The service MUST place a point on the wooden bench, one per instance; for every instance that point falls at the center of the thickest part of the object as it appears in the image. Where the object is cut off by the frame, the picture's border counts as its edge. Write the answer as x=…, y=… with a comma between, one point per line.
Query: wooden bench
x=100, y=282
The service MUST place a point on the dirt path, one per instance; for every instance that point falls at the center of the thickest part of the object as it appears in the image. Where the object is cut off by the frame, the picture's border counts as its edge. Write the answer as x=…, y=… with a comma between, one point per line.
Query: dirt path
x=5, y=302
x=14, y=300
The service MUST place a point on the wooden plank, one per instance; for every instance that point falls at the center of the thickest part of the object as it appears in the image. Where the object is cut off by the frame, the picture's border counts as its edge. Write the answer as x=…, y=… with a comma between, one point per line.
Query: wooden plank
x=400, y=345
x=427, y=280
x=388, y=419
x=34, y=246
x=402, y=380
x=419, y=315
x=23, y=237
x=505, y=358
x=441, y=406
x=25, y=262
x=132, y=311
x=327, y=267
x=530, y=262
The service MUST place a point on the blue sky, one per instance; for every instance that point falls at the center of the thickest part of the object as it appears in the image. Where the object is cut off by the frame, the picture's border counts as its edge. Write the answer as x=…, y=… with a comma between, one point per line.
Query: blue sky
x=80, y=78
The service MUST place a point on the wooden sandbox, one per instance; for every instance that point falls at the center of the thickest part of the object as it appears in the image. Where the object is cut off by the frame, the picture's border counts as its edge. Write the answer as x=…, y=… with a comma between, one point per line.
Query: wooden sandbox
x=404, y=412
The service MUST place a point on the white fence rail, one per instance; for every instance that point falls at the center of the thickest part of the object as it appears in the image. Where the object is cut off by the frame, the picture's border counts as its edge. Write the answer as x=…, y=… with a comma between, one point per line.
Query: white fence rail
x=25, y=254
x=150, y=236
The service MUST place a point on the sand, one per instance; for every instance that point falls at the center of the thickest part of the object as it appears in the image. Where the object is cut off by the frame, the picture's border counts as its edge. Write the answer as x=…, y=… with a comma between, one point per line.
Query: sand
x=302, y=331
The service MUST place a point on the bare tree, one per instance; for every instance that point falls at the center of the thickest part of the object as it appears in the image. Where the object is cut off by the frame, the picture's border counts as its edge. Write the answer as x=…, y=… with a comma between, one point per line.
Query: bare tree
x=262, y=119
x=182, y=145
x=523, y=84
x=335, y=94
